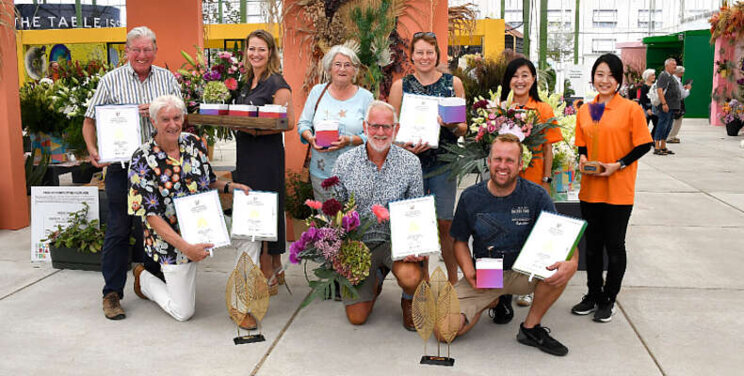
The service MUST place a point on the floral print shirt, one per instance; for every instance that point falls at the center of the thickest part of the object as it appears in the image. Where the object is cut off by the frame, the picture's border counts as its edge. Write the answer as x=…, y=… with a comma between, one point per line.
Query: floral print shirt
x=155, y=179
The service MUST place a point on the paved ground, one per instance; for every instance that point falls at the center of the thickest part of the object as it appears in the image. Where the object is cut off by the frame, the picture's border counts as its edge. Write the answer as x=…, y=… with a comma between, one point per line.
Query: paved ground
x=680, y=309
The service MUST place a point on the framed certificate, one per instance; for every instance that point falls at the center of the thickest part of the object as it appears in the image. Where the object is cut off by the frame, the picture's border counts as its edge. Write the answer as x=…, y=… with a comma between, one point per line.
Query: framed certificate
x=553, y=238
x=413, y=228
x=118, y=132
x=201, y=220
x=418, y=120
x=255, y=215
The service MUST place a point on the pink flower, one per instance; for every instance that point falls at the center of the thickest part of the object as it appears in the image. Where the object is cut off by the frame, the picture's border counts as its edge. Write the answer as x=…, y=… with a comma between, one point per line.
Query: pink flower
x=381, y=213
x=314, y=204
x=231, y=83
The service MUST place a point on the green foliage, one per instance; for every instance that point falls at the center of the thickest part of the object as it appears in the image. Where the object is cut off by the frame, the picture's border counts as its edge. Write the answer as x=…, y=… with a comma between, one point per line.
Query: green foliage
x=481, y=75
x=297, y=191
x=324, y=288
x=37, y=108
x=35, y=173
x=546, y=79
x=374, y=26
x=80, y=233
x=568, y=91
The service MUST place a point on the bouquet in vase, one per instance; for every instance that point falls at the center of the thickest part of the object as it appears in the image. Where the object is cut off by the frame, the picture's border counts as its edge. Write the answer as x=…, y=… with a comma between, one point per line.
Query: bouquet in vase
x=489, y=119
x=333, y=242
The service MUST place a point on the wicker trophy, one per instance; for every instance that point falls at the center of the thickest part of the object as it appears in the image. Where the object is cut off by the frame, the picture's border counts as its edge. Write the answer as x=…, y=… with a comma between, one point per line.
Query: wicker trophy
x=247, y=298
x=435, y=304
x=593, y=167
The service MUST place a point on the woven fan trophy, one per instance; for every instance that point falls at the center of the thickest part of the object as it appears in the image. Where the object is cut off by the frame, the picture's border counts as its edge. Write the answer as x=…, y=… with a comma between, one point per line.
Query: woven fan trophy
x=247, y=298
x=435, y=305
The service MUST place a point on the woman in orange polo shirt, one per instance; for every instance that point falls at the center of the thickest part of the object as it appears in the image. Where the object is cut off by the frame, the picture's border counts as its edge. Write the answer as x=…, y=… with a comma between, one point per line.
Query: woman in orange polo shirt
x=606, y=199
x=520, y=79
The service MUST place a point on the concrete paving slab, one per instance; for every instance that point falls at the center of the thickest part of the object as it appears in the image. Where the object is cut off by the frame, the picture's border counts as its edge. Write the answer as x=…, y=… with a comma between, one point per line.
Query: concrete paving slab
x=684, y=257
x=689, y=331
x=651, y=180
x=734, y=199
x=683, y=209
x=15, y=262
x=321, y=338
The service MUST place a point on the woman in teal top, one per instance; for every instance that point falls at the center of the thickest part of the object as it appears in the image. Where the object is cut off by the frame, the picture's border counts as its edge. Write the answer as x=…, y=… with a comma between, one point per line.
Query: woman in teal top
x=340, y=100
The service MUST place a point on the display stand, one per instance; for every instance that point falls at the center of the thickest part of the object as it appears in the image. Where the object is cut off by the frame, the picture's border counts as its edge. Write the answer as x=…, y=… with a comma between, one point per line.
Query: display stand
x=280, y=124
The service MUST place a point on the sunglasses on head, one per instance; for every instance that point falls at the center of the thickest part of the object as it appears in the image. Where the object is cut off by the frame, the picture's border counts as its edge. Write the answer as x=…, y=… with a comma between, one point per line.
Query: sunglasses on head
x=425, y=34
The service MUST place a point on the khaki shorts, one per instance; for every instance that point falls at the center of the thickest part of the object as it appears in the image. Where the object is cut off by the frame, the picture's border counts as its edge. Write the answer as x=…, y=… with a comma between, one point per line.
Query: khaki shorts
x=473, y=301
x=381, y=256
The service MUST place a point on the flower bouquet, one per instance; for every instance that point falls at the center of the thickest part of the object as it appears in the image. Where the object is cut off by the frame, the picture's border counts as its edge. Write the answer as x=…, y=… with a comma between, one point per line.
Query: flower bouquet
x=490, y=118
x=333, y=241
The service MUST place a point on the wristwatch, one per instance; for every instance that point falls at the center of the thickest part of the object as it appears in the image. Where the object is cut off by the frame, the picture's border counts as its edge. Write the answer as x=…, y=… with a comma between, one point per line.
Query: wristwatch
x=622, y=164
x=547, y=179
x=226, y=189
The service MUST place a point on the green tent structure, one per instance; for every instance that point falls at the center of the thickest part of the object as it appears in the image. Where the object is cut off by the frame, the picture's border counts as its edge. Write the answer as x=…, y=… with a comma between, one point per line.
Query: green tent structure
x=693, y=49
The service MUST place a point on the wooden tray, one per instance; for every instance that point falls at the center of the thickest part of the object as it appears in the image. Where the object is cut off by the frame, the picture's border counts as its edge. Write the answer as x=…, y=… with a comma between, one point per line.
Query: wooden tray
x=239, y=121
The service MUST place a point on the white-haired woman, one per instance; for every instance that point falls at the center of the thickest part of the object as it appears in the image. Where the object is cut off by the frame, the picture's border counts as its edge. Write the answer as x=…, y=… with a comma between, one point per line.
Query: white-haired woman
x=649, y=76
x=338, y=101
x=172, y=164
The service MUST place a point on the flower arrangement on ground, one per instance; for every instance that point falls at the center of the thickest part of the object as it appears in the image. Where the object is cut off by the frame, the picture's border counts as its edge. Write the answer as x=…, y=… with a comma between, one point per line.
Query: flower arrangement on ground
x=333, y=241
x=490, y=118
x=731, y=111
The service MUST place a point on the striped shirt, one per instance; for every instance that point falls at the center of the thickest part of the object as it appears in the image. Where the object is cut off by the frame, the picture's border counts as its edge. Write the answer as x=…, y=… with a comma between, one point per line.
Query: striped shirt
x=122, y=86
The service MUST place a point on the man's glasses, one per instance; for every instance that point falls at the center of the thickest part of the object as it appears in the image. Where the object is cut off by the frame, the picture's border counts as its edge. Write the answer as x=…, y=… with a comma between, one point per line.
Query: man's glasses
x=424, y=34
x=376, y=127
x=146, y=51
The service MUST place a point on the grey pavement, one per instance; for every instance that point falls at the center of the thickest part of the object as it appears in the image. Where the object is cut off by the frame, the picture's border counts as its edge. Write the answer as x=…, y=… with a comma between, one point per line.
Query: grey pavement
x=680, y=310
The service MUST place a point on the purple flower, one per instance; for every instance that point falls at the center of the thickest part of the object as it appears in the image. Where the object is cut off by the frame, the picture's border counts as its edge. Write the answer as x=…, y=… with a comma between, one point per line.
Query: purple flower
x=294, y=251
x=309, y=235
x=204, y=183
x=328, y=242
x=480, y=104
x=740, y=81
x=596, y=110
x=151, y=201
x=350, y=221
x=330, y=182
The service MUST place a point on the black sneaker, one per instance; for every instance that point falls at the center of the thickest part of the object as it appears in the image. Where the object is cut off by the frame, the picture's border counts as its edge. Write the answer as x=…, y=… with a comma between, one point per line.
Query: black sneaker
x=503, y=313
x=539, y=337
x=587, y=305
x=604, y=312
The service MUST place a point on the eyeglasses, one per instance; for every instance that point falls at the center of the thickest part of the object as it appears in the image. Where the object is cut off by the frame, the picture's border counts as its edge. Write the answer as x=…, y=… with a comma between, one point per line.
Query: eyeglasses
x=424, y=34
x=339, y=65
x=376, y=127
x=146, y=51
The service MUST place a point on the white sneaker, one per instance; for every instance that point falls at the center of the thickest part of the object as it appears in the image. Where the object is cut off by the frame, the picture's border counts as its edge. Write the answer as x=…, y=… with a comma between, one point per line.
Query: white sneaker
x=524, y=300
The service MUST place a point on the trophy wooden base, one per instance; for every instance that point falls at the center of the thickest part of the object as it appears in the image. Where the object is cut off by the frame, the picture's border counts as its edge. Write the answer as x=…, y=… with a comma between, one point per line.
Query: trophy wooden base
x=249, y=339
x=437, y=360
x=592, y=168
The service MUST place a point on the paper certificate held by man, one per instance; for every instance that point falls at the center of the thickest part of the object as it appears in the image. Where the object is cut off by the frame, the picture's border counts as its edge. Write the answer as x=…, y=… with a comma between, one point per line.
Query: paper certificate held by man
x=200, y=219
x=413, y=228
x=553, y=238
x=255, y=215
x=418, y=120
x=118, y=132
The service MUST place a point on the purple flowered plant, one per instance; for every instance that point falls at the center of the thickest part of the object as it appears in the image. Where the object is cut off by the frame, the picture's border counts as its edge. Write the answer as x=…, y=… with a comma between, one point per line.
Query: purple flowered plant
x=350, y=221
x=596, y=110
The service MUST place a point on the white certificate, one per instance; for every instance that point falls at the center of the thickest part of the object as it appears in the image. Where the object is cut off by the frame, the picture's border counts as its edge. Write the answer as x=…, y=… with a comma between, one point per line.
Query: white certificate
x=418, y=120
x=255, y=215
x=201, y=220
x=413, y=228
x=552, y=239
x=118, y=132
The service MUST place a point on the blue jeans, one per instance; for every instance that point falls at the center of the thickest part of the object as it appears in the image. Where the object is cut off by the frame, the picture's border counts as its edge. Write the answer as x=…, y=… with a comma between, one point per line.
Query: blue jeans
x=443, y=188
x=115, y=255
x=664, y=125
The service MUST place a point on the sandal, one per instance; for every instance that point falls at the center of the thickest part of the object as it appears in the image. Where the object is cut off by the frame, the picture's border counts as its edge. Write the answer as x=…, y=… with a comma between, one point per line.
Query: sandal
x=667, y=151
x=280, y=277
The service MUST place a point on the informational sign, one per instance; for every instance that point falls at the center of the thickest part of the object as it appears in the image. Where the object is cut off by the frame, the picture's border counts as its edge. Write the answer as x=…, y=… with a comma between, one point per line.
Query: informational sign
x=579, y=78
x=63, y=16
x=51, y=206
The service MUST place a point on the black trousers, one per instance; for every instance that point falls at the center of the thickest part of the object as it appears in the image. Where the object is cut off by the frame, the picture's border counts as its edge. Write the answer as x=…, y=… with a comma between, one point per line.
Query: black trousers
x=606, y=228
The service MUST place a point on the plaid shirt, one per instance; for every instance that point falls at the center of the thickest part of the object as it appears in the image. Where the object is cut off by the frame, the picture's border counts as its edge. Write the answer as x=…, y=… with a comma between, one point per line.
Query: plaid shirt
x=122, y=86
x=398, y=179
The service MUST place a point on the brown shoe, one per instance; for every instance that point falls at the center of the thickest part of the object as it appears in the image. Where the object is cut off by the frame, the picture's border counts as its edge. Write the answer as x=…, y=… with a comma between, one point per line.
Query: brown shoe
x=405, y=305
x=138, y=269
x=111, y=307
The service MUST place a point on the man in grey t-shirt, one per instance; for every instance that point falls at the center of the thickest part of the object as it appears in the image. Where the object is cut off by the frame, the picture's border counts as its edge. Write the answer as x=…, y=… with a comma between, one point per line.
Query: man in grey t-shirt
x=670, y=97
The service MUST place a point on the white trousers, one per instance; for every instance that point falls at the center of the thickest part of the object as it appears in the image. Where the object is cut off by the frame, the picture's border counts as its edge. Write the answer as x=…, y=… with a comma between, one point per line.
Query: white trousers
x=253, y=249
x=177, y=296
x=676, y=125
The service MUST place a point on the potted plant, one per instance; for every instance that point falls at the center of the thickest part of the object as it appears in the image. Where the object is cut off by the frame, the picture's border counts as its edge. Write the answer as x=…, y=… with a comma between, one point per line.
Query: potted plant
x=298, y=190
x=77, y=245
x=732, y=113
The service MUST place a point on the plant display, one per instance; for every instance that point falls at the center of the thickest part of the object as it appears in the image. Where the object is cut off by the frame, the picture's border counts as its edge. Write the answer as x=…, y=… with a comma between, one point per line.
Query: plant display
x=35, y=173
x=632, y=82
x=80, y=233
x=298, y=191
x=728, y=22
x=215, y=92
x=334, y=242
x=37, y=107
x=731, y=111
x=480, y=75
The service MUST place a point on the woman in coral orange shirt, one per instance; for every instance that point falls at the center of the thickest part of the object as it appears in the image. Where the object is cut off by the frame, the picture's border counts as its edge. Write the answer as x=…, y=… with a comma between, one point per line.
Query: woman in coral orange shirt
x=613, y=131
x=520, y=79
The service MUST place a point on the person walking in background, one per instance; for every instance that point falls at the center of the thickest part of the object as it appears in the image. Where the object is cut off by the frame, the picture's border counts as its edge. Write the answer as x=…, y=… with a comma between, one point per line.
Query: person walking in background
x=649, y=76
x=670, y=96
x=685, y=90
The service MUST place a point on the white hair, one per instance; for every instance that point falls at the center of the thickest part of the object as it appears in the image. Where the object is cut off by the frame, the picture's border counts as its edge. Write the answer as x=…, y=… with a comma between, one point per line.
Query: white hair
x=679, y=69
x=647, y=73
x=166, y=101
x=343, y=50
x=669, y=60
x=141, y=32
x=380, y=104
